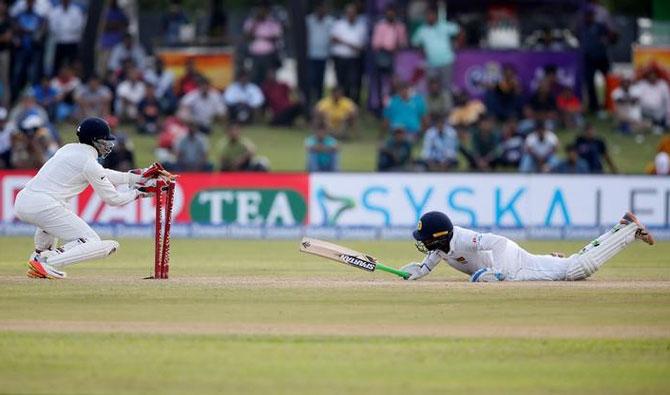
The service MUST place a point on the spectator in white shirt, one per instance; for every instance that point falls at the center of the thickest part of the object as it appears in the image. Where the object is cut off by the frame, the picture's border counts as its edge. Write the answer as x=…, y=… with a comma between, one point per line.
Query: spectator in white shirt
x=440, y=145
x=126, y=49
x=243, y=98
x=348, y=38
x=129, y=94
x=654, y=100
x=319, y=25
x=540, y=151
x=203, y=105
x=627, y=110
x=163, y=81
x=41, y=7
x=66, y=23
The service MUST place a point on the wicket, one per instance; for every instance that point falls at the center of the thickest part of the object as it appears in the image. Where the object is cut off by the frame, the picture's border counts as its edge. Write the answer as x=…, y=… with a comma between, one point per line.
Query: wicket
x=162, y=231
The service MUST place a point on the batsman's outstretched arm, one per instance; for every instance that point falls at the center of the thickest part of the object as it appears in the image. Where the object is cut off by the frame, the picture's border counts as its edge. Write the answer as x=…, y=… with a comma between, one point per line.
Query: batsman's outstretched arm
x=419, y=270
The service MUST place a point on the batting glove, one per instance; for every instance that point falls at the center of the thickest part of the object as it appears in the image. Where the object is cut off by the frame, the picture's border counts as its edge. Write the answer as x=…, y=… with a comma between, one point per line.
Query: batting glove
x=416, y=270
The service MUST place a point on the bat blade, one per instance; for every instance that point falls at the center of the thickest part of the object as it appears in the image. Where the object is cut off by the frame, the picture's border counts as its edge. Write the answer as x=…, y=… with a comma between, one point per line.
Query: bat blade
x=338, y=253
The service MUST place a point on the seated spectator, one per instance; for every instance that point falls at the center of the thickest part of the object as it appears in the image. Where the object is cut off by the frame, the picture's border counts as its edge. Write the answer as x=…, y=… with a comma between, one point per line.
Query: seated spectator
x=593, y=150
x=32, y=144
x=485, y=140
x=5, y=139
x=338, y=112
x=510, y=148
x=539, y=151
x=504, y=99
x=243, y=99
x=543, y=102
x=395, y=154
x=466, y=110
x=163, y=81
x=239, y=153
x=438, y=101
x=189, y=80
x=406, y=110
x=93, y=99
x=572, y=164
x=46, y=96
x=204, y=105
x=654, y=100
x=66, y=84
x=148, y=112
x=627, y=110
x=28, y=106
x=283, y=108
x=550, y=78
x=127, y=49
x=122, y=157
x=439, y=151
x=322, y=151
x=192, y=151
x=661, y=163
x=129, y=94
x=569, y=108
x=174, y=128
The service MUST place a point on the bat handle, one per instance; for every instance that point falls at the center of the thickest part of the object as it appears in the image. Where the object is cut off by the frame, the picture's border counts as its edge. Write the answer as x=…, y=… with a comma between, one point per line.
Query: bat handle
x=397, y=272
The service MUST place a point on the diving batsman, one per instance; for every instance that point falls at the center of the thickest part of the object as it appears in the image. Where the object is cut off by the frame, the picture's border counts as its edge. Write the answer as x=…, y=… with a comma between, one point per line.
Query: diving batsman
x=488, y=257
x=44, y=201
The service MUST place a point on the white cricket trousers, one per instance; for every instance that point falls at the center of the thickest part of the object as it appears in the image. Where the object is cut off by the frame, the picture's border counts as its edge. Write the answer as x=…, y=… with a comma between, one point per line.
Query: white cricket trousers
x=52, y=218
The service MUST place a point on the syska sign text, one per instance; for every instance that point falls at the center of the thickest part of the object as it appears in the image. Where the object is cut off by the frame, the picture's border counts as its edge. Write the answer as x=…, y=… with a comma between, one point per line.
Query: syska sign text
x=487, y=200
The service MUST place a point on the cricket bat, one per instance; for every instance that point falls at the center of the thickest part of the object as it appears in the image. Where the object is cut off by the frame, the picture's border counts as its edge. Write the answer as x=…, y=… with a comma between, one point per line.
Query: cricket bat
x=347, y=256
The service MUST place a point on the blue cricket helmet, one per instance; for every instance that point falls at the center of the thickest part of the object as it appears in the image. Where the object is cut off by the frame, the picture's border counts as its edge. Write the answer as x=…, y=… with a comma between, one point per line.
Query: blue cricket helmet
x=434, y=231
x=94, y=128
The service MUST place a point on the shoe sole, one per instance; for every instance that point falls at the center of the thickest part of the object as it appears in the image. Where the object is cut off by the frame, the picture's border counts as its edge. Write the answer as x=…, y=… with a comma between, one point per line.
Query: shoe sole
x=33, y=274
x=646, y=236
x=42, y=271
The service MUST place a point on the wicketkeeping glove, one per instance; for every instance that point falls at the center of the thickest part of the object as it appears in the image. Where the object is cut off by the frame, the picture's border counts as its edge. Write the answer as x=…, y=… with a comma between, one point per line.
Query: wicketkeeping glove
x=416, y=270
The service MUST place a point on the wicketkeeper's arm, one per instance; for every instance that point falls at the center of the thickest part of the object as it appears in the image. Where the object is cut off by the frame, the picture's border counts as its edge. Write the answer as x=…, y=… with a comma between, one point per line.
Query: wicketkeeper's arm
x=96, y=175
x=121, y=178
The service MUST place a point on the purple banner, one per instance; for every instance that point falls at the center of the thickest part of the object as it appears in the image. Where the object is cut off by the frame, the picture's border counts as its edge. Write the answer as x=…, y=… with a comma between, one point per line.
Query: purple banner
x=474, y=69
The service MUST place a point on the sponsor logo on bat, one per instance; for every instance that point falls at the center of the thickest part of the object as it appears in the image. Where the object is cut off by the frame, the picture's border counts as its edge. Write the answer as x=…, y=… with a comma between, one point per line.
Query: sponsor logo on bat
x=358, y=262
x=306, y=244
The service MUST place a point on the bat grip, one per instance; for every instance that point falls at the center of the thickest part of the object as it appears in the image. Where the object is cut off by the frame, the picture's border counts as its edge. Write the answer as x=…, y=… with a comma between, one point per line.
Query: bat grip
x=397, y=272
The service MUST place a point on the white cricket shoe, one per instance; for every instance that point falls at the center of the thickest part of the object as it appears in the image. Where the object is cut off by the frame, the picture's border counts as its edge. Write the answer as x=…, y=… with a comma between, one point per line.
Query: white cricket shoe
x=641, y=233
x=43, y=270
x=486, y=275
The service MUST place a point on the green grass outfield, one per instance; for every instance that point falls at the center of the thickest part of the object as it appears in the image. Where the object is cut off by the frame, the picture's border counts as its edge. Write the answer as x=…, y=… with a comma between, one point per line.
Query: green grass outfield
x=257, y=317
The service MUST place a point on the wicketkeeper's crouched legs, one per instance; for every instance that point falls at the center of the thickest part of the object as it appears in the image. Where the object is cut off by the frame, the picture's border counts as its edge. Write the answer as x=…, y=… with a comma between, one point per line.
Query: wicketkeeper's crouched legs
x=596, y=253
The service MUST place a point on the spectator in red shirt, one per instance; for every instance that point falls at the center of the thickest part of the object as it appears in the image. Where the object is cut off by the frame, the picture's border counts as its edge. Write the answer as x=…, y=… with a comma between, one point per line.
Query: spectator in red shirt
x=189, y=81
x=281, y=101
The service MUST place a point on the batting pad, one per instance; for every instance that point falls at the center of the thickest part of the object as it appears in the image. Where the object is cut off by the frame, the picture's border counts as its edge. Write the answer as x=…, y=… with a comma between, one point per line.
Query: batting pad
x=82, y=250
x=601, y=250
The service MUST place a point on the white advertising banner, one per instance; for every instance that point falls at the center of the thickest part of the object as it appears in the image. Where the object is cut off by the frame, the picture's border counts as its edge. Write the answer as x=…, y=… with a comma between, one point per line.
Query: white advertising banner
x=482, y=200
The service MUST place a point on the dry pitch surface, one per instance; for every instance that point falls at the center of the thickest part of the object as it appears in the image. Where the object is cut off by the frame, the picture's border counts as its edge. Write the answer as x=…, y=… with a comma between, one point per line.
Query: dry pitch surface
x=253, y=317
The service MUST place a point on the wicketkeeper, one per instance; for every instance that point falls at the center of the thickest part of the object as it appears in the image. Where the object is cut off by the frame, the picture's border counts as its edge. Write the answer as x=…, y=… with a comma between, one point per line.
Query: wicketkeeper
x=44, y=201
x=487, y=257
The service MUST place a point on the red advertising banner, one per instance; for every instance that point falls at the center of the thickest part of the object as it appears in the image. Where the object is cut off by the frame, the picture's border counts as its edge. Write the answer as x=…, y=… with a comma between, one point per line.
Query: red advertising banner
x=208, y=198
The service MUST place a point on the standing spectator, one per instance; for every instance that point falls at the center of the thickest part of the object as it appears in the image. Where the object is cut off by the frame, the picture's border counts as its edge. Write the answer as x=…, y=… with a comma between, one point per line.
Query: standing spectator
x=322, y=151
x=661, y=164
x=389, y=36
x=239, y=153
x=163, y=81
x=510, y=148
x=572, y=164
x=654, y=100
x=93, y=99
x=148, y=112
x=434, y=38
x=115, y=26
x=172, y=23
x=540, y=151
x=66, y=84
x=203, y=106
x=122, y=157
x=127, y=49
x=5, y=140
x=243, y=98
x=283, y=108
x=594, y=41
x=485, y=140
x=66, y=24
x=192, y=151
x=627, y=110
x=46, y=96
x=129, y=94
x=42, y=7
x=264, y=34
x=395, y=154
x=440, y=145
x=348, y=38
x=319, y=26
x=505, y=97
x=29, y=27
x=438, y=100
x=407, y=110
x=338, y=112
x=5, y=52
x=593, y=150
x=189, y=81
